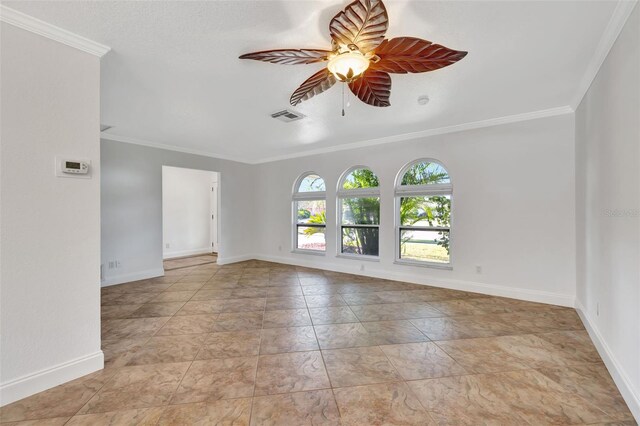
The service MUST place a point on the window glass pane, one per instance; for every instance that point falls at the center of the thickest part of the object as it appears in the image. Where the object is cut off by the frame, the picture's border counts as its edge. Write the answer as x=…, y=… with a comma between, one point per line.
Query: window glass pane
x=360, y=178
x=311, y=238
x=426, y=246
x=425, y=174
x=432, y=210
x=311, y=183
x=311, y=211
x=360, y=240
x=361, y=211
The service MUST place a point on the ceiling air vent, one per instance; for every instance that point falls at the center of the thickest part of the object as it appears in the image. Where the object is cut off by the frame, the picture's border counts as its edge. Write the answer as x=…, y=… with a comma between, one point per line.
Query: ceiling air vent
x=287, y=115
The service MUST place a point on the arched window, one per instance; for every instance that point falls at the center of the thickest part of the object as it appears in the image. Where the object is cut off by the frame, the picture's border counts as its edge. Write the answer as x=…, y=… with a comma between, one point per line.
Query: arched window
x=359, y=212
x=309, y=213
x=423, y=213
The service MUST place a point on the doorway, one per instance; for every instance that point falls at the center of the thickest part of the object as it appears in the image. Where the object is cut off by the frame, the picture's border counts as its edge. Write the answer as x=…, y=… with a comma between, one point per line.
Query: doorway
x=190, y=225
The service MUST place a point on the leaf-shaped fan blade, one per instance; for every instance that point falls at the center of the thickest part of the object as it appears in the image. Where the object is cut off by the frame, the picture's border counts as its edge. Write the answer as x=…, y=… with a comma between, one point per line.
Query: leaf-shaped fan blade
x=317, y=83
x=362, y=23
x=289, y=56
x=373, y=88
x=409, y=54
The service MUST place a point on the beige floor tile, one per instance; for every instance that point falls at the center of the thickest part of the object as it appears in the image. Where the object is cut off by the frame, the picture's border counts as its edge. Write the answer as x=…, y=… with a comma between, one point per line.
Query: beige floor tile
x=465, y=327
x=61, y=401
x=108, y=312
x=173, y=296
x=541, y=400
x=139, y=386
x=230, y=344
x=394, y=311
x=290, y=372
x=118, y=353
x=131, y=328
x=139, y=417
x=286, y=318
x=421, y=361
x=164, y=349
x=332, y=315
x=381, y=404
x=234, y=412
x=543, y=321
x=334, y=336
x=359, y=366
x=594, y=384
x=324, y=300
x=284, y=291
x=188, y=324
x=238, y=321
x=484, y=355
x=185, y=286
x=300, y=408
x=390, y=332
x=290, y=339
x=58, y=421
x=200, y=307
x=127, y=298
x=157, y=310
x=464, y=400
x=279, y=303
x=214, y=379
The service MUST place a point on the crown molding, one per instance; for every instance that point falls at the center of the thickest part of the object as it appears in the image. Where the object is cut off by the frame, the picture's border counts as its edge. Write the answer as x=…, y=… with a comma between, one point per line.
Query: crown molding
x=619, y=17
x=142, y=142
x=29, y=23
x=552, y=112
x=426, y=133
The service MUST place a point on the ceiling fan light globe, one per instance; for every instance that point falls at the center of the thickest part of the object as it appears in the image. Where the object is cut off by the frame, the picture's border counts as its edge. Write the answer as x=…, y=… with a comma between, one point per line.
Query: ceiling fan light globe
x=347, y=67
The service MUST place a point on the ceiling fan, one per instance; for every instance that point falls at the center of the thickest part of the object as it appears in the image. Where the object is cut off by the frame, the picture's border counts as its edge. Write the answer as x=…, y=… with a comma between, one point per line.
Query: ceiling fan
x=361, y=57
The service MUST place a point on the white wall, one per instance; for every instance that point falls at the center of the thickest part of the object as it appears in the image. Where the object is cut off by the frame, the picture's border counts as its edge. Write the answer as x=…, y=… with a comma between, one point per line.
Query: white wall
x=608, y=210
x=132, y=207
x=186, y=211
x=49, y=226
x=513, y=208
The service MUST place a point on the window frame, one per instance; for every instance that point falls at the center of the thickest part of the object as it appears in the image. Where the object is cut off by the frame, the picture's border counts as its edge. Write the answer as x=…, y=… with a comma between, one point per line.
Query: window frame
x=341, y=194
x=306, y=196
x=428, y=190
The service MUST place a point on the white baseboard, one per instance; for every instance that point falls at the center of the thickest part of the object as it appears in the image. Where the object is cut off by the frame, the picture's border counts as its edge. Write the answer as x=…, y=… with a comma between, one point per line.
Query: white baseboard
x=134, y=276
x=182, y=253
x=619, y=376
x=31, y=384
x=476, y=287
x=235, y=259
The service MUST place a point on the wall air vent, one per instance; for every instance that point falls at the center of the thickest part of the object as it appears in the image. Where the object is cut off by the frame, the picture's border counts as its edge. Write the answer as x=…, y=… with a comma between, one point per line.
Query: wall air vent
x=287, y=115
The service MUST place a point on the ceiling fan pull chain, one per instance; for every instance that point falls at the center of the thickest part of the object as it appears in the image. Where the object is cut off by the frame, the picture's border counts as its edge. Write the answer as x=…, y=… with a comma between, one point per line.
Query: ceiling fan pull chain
x=343, y=100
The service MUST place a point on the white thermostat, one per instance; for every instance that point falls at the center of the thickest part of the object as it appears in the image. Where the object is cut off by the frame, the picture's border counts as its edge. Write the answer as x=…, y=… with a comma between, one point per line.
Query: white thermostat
x=73, y=167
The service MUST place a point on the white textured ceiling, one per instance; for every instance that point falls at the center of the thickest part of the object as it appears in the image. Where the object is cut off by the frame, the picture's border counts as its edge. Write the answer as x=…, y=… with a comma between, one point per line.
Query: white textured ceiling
x=174, y=77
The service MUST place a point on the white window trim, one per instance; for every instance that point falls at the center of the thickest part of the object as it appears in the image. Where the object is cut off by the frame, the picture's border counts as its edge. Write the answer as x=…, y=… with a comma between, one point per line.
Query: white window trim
x=424, y=191
x=341, y=194
x=305, y=196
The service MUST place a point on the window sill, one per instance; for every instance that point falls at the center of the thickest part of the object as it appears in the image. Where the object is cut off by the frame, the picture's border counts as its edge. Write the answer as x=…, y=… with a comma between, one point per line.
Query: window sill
x=311, y=252
x=434, y=265
x=364, y=257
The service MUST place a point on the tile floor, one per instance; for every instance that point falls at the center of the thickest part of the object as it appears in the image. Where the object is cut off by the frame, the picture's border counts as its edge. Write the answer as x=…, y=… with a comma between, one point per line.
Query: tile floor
x=183, y=262
x=263, y=343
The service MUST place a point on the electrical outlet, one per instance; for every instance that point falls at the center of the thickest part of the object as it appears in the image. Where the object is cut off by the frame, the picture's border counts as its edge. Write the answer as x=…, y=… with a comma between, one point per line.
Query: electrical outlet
x=168, y=245
x=478, y=269
x=111, y=264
